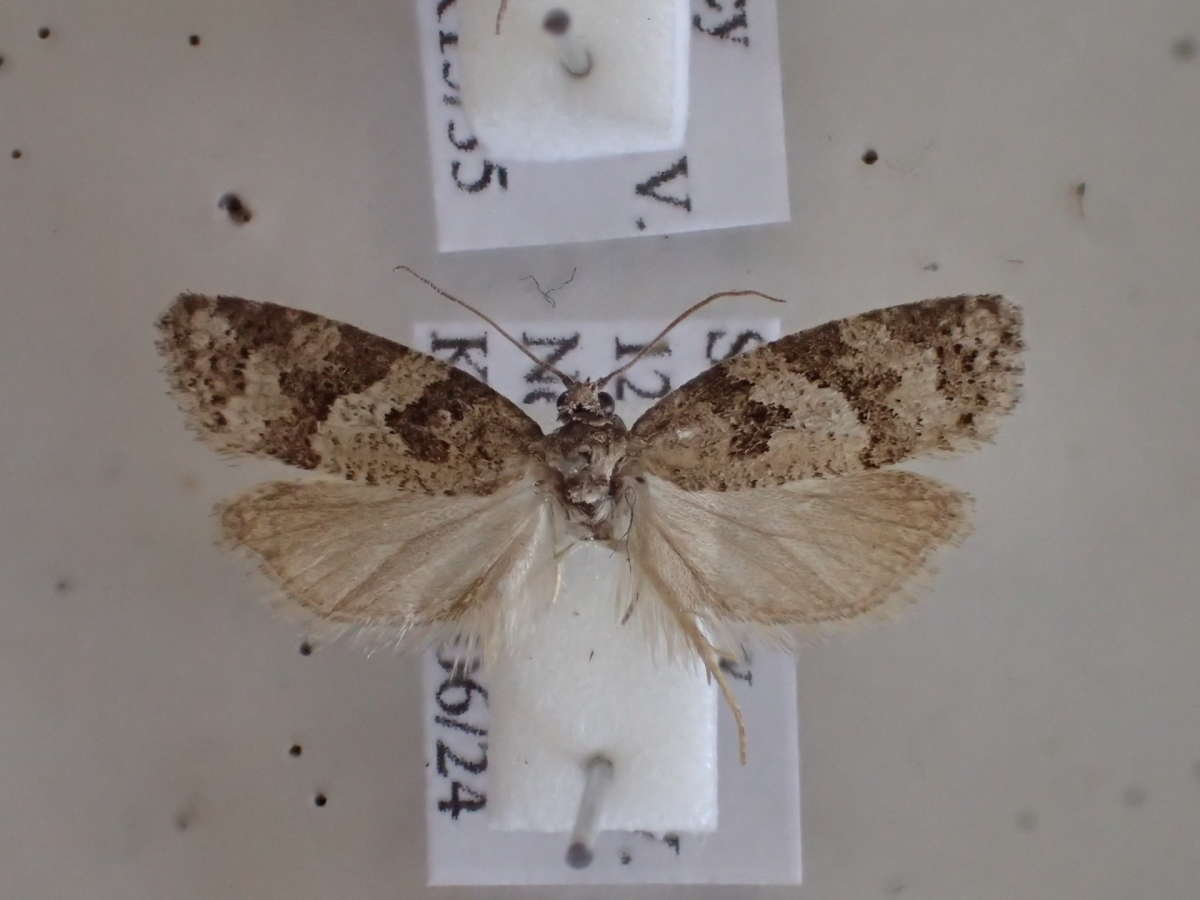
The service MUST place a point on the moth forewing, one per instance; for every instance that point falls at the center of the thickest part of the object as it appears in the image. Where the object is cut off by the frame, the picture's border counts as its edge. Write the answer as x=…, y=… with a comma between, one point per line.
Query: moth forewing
x=852, y=395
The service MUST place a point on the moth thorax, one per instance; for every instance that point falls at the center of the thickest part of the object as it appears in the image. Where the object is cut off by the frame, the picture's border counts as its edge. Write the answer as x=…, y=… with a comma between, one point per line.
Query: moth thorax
x=585, y=458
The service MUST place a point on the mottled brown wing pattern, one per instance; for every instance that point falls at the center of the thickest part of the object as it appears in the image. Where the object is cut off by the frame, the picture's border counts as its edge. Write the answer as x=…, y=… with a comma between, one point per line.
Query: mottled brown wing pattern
x=271, y=381
x=848, y=396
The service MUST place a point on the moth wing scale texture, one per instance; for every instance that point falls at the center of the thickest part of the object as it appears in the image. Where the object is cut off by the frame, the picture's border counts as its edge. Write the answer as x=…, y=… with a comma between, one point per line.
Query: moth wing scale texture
x=270, y=381
x=356, y=556
x=816, y=553
x=849, y=396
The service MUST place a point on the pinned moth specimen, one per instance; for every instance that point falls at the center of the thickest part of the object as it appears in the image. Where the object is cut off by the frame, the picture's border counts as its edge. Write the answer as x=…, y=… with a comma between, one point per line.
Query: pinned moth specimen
x=755, y=501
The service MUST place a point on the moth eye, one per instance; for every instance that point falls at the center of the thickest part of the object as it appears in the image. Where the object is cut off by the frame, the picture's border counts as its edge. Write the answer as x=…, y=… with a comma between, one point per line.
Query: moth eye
x=607, y=404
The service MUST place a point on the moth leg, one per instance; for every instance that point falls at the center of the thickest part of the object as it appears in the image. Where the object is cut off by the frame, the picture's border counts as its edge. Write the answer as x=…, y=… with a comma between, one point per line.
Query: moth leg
x=712, y=662
x=628, y=614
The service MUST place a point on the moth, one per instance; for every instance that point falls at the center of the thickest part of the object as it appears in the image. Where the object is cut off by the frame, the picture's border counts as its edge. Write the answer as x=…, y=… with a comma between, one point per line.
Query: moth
x=757, y=500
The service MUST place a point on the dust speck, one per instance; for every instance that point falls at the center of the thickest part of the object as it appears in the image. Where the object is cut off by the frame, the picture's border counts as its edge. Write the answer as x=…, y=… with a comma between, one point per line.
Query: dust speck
x=1027, y=820
x=1134, y=796
x=1184, y=49
x=895, y=887
x=625, y=857
x=64, y=585
x=931, y=267
x=237, y=210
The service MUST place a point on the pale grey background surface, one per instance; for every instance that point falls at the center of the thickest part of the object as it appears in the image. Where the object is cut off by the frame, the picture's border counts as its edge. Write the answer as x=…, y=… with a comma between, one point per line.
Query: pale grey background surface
x=1031, y=730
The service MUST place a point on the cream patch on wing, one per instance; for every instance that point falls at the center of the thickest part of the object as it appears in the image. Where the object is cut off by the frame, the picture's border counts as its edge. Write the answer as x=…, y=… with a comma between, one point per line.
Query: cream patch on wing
x=823, y=432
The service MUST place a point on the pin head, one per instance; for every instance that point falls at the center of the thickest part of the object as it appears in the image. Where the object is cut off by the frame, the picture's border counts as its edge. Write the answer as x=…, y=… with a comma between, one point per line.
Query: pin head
x=579, y=855
x=576, y=58
x=557, y=22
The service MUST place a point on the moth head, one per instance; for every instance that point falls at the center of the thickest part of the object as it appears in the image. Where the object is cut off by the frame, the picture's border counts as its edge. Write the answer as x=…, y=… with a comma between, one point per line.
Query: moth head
x=584, y=401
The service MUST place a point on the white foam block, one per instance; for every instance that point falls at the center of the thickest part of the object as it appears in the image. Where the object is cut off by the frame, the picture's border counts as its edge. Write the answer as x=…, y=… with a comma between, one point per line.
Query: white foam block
x=584, y=685
x=523, y=104
x=730, y=171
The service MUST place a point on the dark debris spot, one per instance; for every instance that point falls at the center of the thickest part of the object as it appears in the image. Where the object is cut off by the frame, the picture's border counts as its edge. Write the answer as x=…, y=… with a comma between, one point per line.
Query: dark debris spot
x=194, y=40
x=895, y=887
x=1, y=61
x=16, y=154
x=931, y=267
x=239, y=213
x=183, y=820
x=320, y=800
x=672, y=841
x=557, y=22
x=295, y=750
x=625, y=857
x=1184, y=49
x=43, y=32
x=1027, y=820
x=64, y=585
x=1134, y=796
x=306, y=649
x=870, y=157
x=641, y=224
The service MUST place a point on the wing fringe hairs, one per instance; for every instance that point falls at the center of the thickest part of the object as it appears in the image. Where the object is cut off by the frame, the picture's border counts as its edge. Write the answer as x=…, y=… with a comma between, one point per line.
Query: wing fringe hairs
x=405, y=569
x=775, y=564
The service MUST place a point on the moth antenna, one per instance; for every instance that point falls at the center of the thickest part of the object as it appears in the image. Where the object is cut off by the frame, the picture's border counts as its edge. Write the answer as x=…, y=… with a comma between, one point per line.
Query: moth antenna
x=500, y=14
x=695, y=307
x=566, y=380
